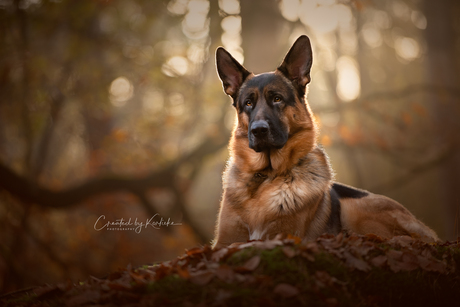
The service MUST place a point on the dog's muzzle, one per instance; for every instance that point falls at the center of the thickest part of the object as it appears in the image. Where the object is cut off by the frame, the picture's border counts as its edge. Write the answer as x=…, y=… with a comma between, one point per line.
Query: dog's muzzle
x=260, y=129
x=262, y=137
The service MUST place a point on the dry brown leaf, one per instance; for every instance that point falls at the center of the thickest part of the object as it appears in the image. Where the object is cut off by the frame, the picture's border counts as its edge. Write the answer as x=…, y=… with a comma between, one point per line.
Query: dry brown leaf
x=194, y=251
x=308, y=256
x=225, y=273
x=356, y=263
x=402, y=261
x=436, y=266
x=289, y=251
x=183, y=272
x=268, y=244
x=312, y=247
x=364, y=248
x=296, y=240
x=403, y=241
x=394, y=254
x=374, y=238
x=379, y=261
x=201, y=277
x=249, y=265
x=323, y=276
x=330, y=243
x=161, y=271
x=91, y=296
x=219, y=255
x=286, y=290
x=410, y=261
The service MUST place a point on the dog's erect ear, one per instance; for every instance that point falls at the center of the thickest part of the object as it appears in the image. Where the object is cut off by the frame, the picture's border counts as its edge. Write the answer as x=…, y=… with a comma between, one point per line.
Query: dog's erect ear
x=230, y=72
x=297, y=63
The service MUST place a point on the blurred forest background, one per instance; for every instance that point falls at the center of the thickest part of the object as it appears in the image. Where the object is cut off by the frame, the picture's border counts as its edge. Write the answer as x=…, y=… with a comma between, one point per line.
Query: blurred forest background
x=114, y=108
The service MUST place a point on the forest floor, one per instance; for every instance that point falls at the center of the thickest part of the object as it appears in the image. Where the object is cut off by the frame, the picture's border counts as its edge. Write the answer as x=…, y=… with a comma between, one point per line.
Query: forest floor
x=342, y=270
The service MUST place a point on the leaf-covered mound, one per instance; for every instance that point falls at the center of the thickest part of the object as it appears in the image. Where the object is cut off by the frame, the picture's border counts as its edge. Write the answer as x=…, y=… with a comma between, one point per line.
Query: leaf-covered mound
x=343, y=270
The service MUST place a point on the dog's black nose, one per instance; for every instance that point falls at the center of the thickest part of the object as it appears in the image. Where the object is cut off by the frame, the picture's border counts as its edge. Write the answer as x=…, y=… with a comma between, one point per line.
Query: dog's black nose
x=259, y=128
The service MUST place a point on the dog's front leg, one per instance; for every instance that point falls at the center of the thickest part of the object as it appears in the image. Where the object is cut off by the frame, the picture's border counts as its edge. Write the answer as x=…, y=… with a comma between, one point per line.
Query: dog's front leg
x=230, y=228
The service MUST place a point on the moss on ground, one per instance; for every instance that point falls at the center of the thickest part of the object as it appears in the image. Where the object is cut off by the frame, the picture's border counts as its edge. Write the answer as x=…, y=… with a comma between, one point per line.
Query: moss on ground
x=287, y=275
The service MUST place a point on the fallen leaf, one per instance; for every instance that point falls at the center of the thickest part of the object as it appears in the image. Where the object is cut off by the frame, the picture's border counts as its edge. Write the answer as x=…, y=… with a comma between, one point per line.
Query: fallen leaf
x=161, y=271
x=84, y=298
x=308, y=256
x=311, y=246
x=434, y=265
x=194, y=251
x=289, y=251
x=403, y=241
x=183, y=272
x=268, y=244
x=225, y=273
x=410, y=261
x=364, y=248
x=379, y=261
x=201, y=277
x=394, y=254
x=398, y=262
x=330, y=243
x=356, y=263
x=323, y=276
x=296, y=240
x=220, y=254
x=286, y=290
x=374, y=238
x=249, y=265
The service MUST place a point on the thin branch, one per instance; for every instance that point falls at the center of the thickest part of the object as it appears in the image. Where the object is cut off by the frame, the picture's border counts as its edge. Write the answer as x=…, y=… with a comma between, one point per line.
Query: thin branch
x=24, y=100
x=180, y=204
x=30, y=192
x=413, y=172
x=149, y=207
x=394, y=95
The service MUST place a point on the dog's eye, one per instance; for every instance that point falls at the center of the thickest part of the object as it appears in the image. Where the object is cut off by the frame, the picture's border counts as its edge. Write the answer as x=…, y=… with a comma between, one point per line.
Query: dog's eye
x=277, y=99
x=248, y=103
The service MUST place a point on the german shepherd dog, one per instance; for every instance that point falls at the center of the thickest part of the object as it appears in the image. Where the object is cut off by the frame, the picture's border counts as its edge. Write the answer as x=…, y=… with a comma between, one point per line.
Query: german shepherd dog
x=278, y=179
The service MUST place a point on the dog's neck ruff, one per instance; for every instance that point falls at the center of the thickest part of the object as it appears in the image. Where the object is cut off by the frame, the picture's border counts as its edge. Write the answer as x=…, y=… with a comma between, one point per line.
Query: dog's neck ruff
x=270, y=200
x=291, y=189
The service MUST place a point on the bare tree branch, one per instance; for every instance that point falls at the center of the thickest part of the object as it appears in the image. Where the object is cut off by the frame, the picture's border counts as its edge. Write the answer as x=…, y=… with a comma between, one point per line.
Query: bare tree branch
x=27, y=191
x=393, y=95
x=414, y=171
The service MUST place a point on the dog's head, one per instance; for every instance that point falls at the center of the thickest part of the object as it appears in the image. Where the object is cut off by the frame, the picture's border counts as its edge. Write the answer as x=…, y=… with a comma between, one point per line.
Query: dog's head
x=271, y=106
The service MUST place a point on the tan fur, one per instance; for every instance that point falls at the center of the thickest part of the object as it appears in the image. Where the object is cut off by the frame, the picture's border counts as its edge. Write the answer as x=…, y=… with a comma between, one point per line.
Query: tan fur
x=287, y=190
x=382, y=216
x=298, y=177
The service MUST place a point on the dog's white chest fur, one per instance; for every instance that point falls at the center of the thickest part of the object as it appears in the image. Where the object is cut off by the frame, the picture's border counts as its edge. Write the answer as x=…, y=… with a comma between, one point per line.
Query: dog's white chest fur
x=257, y=234
x=287, y=198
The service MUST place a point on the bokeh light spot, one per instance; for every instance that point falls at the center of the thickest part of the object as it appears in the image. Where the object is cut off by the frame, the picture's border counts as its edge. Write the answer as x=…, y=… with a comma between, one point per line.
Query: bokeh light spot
x=121, y=90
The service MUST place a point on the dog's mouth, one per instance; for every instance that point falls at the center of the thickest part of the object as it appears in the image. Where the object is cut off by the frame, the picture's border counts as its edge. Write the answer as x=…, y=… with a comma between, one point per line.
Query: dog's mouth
x=262, y=137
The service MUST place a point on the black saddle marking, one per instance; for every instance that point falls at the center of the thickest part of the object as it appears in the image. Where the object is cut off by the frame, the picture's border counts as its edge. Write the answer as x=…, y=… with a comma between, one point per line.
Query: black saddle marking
x=334, y=223
x=344, y=191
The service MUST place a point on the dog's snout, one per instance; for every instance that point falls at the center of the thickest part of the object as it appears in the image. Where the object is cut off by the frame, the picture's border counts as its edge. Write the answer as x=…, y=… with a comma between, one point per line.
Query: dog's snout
x=259, y=128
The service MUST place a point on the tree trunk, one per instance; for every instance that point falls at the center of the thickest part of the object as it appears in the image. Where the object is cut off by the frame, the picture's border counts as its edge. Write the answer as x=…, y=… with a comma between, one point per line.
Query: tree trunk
x=443, y=69
x=265, y=35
